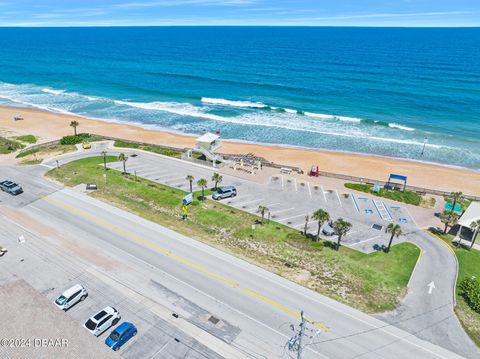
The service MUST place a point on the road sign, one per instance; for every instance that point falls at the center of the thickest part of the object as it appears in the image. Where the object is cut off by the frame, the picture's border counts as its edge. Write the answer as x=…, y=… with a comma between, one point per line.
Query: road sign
x=187, y=199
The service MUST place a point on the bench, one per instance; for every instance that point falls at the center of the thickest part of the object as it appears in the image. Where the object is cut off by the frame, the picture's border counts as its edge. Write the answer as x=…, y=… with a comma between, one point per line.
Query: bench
x=285, y=170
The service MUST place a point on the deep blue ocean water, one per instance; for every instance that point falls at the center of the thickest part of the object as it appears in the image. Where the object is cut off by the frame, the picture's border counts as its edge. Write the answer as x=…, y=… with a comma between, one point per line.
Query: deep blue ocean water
x=380, y=91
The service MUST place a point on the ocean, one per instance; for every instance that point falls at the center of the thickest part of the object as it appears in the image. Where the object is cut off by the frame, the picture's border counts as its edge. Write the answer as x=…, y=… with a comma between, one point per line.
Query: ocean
x=403, y=92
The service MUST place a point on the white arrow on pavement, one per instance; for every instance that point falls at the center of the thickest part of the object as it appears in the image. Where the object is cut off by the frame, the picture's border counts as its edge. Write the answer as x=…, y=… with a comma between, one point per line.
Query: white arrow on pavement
x=431, y=287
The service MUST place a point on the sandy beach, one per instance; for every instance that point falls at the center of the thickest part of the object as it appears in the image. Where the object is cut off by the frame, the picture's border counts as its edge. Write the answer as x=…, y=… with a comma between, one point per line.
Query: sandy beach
x=50, y=126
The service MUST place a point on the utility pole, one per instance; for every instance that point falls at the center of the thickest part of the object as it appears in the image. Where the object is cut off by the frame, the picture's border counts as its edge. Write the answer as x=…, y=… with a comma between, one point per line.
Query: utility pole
x=295, y=343
x=302, y=332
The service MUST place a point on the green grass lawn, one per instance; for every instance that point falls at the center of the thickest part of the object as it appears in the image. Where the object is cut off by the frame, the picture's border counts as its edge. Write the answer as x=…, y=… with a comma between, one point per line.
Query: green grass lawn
x=150, y=148
x=468, y=265
x=8, y=145
x=373, y=283
x=399, y=196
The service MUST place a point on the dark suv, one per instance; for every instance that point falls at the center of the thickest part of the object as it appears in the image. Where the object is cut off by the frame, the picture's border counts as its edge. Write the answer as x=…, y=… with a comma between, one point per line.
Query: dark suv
x=10, y=187
x=224, y=192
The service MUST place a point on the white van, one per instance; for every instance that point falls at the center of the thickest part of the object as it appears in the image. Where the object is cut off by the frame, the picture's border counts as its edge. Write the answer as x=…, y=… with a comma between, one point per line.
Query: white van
x=71, y=297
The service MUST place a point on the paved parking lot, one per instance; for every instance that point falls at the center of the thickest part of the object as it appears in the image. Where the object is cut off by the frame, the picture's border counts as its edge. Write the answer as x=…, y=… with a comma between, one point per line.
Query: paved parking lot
x=288, y=199
x=51, y=271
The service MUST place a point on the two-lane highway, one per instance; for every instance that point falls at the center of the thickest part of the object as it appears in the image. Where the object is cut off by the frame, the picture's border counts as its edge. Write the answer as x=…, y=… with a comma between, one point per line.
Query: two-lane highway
x=260, y=303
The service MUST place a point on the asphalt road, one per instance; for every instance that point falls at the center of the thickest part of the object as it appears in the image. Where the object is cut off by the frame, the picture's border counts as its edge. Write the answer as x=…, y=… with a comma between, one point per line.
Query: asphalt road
x=260, y=303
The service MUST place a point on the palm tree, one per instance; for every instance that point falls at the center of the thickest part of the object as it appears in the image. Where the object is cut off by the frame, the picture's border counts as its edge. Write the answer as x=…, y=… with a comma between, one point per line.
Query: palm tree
x=307, y=218
x=217, y=178
x=475, y=227
x=74, y=124
x=262, y=210
x=104, y=154
x=123, y=157
x=455, y=196
x=395, y=231
x=202, y=182
x=341, y=228
x=449, y=219
x=190, y=179
x=322, y=217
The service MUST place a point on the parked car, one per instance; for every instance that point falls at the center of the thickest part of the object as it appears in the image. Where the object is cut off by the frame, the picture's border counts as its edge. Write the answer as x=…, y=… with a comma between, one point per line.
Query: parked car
x=86, y=145
x=103, y=320
x=328, y=230
x=120, y=335
x=224, y=192
x=11, y=187
x=71, y=296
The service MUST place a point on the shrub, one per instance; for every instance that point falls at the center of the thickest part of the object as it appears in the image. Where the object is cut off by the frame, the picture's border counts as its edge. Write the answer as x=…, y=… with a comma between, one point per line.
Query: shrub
x=73, y=140
x=27, y=138
x=470, y=290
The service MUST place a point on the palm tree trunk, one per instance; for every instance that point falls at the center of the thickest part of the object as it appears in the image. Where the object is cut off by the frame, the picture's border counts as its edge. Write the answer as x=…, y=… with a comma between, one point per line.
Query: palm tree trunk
x=75, y=130
x=124, y=168
x=445, y=229
x=190, y=186
x=203, y=193
x=318, y=232
x=305, y=228
x=390, y=243
x=338, y=243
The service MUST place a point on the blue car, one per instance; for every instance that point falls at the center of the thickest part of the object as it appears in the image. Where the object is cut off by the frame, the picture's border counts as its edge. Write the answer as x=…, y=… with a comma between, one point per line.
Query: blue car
x=121, y=335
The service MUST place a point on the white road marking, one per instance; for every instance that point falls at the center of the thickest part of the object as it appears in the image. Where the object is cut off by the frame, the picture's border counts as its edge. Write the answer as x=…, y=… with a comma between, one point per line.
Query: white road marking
x=309, y=190
x=338, y=197
x=431, y=287
x=282, y=210
x=295, y=181
x=323, y=192
x=286, y=219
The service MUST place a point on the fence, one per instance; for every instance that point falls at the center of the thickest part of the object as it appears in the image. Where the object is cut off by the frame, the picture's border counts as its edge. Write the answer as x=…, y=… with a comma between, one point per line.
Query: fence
x=40, y=145
x=370, y=181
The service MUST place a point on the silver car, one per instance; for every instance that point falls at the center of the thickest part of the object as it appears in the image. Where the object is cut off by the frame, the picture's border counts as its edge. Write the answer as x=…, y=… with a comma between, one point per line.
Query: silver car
x=71, y=296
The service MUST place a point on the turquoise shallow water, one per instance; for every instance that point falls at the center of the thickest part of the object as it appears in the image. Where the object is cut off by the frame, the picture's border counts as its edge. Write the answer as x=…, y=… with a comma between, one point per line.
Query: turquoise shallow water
x=367, y=90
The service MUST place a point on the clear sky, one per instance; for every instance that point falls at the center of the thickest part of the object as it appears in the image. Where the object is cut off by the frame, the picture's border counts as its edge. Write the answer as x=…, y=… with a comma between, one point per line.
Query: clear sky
x=240, y=12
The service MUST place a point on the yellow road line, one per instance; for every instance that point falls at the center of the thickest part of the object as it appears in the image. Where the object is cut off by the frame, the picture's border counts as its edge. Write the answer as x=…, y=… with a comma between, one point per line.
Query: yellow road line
x=441, y=240
x=185, y=262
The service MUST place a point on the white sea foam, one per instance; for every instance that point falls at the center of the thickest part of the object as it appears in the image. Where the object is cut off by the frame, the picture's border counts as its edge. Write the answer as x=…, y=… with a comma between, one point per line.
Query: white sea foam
x=223, y=102
x=289, y=110
x=400, y=127
x=53, y=91
x=183, y=109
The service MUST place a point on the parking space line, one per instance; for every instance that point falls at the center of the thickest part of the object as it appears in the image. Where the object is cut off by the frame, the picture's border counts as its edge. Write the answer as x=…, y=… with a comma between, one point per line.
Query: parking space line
x=282, y=182
x=338, y=197
x=248, y=202
x=355, y=203
x=309, y=190
x=295, y=181
x=323, y=192
x=286, y=219
x=282, y=210
x=365, y=240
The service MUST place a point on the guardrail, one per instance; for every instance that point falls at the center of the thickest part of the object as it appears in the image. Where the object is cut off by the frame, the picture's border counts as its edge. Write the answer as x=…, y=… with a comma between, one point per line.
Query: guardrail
x=370, y=181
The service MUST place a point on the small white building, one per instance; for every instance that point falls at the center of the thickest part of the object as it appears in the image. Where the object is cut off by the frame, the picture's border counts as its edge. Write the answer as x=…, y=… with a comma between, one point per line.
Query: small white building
x=209, y=141
x=472, y=214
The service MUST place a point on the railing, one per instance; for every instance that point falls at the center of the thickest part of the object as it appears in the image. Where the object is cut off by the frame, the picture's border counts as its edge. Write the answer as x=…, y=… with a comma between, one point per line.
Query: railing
x=40, y=145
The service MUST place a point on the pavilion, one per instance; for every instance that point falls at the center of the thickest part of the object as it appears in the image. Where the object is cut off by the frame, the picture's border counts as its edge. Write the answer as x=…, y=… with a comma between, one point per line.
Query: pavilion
x=472, y=214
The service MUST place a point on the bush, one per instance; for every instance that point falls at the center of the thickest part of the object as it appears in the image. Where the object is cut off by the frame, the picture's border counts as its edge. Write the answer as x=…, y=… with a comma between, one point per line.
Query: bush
x=73, y=140
x=27, y=138
x=399, y=196
x=470, y=291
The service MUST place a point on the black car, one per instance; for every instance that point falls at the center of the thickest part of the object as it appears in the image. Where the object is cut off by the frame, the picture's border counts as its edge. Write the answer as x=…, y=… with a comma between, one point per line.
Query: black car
x=11, y=187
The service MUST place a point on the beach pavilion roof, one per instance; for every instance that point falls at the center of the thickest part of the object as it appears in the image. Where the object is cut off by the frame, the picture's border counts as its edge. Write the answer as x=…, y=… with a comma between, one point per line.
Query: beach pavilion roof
x=208, y=138
x=471, y=214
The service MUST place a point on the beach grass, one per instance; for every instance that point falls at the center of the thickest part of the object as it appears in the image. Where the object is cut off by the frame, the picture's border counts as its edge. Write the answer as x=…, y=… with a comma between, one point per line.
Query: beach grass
x=8, y=145
x=468, y=266
x=399, y=196
x=150, y=148
x=370, y=282
x=31, y=139
x=37, y=155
